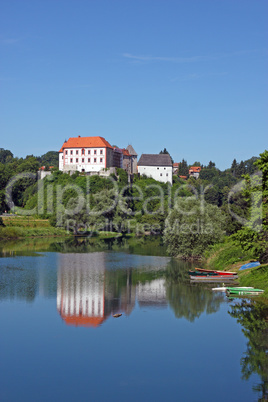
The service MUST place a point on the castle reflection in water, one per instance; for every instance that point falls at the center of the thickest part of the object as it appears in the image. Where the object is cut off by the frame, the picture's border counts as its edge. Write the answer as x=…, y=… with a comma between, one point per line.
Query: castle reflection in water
x=88, y=293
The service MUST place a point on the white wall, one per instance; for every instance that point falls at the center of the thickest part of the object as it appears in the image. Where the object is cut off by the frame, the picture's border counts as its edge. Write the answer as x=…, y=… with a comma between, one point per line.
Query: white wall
x=159, y=173
x=60, y=161
x=73, y=160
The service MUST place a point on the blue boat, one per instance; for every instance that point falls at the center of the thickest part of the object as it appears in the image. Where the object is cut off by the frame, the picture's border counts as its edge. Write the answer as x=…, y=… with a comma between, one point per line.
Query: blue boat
x=250, y=265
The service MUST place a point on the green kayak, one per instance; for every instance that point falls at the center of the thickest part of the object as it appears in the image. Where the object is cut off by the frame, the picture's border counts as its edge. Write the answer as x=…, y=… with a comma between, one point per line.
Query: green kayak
x=240, y=291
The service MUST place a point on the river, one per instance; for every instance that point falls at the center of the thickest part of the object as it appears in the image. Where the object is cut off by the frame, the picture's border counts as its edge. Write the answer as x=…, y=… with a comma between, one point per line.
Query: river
x=60, y=341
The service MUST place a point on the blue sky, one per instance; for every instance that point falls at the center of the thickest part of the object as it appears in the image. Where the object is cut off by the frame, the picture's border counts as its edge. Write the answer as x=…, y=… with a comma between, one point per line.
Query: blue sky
x=190, y=76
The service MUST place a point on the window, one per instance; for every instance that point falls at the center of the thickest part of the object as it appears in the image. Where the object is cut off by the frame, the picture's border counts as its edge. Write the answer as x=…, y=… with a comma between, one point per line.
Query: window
x=83, y=160
x=71, y=160
x=158, y=168
x=77, y=152
x=62, y=157
x=95, y=160
x=101, y=152
x=167, y=174
x=66, y=152
x=83, y=152
x=164, y=168
x=160, y=174
x=88, y=152
x=88, y=160
x=71, y=152
x=95, y=152
x=76, y=160
x=100, y=160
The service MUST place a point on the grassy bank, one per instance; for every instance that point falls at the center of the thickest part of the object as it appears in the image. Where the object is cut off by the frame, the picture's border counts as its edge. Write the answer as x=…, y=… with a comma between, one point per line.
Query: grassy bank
x=22, y=226
x=17, y=227
x=228, y=256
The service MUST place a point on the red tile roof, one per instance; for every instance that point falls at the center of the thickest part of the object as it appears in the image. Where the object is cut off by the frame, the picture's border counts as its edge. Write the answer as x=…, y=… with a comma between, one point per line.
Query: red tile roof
x=176, y=164
x=43, y=167
x=195, y=169
x=85, y=142
x=125, y=152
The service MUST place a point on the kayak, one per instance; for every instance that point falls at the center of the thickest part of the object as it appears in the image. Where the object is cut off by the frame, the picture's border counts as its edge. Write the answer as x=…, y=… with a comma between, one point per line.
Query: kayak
x=217, y=272
x=211, y=278
x=197, y=273
x=223, y=289
x=250, y=265
x=240, y=292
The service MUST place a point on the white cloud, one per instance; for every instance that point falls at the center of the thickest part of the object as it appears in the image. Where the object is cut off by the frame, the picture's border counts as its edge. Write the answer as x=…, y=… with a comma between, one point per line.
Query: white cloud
x=160, y=58
x=190, y=59
x=8, y=41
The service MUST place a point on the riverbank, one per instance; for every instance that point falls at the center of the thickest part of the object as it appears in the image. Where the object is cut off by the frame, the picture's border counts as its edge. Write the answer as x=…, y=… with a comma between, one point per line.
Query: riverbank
x=16, y=227
x=228, y=256
x=20, y=227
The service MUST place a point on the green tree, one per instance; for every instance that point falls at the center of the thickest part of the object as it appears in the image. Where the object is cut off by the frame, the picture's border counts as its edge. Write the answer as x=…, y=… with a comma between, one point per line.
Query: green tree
x=165, y=151
x=234, y=168
x=183, y=168
x=211, y=165
x=5, y=155
x=191, y=227
x=196, y=164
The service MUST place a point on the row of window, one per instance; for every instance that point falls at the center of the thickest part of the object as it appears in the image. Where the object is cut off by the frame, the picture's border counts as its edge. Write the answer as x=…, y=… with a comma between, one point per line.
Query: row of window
x=83, y=152
x=157, y=168
x=83, y=160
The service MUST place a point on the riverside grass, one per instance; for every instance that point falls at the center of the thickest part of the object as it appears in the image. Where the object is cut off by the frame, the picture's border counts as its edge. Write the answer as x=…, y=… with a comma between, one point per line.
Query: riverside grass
x=23, y=226
x=230, y=256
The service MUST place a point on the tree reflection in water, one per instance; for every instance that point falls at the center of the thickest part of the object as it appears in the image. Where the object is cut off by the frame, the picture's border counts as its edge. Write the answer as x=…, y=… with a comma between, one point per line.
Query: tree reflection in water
x=189, y=300
x=253, y=316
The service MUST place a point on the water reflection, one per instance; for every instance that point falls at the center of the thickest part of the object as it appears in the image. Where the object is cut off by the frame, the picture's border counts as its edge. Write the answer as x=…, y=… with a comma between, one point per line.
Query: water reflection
x=190, y=300
x=253, y=316
x=93, y=286
x=152, y=294
x=80, y=289
x=90, y=287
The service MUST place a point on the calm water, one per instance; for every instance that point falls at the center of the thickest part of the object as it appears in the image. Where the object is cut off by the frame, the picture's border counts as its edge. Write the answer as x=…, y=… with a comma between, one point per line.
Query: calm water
x=60, y=341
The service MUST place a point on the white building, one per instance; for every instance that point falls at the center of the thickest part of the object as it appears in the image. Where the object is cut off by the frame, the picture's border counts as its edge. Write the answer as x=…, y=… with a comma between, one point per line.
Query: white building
x=157, y=166
x=88, y=154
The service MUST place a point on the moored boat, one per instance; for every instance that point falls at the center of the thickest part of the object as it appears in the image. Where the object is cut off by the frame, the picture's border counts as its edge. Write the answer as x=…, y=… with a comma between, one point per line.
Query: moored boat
x=251, y=264
x=240, y=292
x=215, y=271
x=197, y=273
x=213, y=278
x=224, y=288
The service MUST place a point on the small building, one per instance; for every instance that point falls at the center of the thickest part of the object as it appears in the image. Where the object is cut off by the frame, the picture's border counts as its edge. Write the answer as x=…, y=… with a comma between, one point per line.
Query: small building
x=194, y=171
x=42, y=172
x=157, y=166
x=175, y=167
